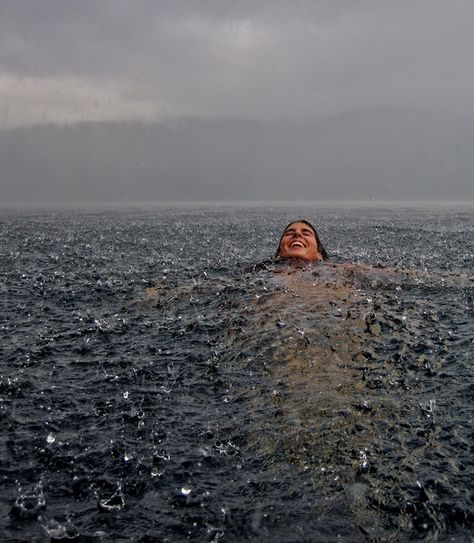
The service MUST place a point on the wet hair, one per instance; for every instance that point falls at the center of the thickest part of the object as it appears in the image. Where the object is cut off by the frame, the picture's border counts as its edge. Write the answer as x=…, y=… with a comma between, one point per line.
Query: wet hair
x=321, y=249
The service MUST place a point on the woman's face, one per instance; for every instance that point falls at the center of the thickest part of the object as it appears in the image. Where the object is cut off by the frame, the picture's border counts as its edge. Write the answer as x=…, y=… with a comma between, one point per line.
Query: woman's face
x=299, y=241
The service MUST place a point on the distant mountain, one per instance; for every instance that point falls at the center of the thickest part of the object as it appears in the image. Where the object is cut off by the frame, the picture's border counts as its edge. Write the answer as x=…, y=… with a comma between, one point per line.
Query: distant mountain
x=383, y=154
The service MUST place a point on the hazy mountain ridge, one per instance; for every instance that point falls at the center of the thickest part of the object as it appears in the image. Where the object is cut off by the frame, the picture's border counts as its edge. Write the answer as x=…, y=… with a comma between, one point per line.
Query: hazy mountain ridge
x=385, y=153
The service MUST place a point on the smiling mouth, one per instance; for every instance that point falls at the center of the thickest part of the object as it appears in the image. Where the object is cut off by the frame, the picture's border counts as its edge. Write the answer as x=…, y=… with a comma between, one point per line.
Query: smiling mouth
x=296, y=244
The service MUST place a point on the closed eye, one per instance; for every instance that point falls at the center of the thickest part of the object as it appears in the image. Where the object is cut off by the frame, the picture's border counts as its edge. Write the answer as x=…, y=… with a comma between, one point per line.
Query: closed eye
x=304, y=232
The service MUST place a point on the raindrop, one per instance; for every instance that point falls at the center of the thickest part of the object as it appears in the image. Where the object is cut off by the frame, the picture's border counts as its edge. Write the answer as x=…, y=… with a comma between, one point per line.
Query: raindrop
x=29, y=505
x=59, y=532
x=114, y=503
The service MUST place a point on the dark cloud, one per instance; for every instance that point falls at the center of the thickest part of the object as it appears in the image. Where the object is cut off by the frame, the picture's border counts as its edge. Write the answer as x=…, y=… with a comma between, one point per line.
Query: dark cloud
x=290, y=60
x=276, y=71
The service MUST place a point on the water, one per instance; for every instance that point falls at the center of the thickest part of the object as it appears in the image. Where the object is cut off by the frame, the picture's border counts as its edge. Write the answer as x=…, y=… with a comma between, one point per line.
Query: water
x=158, y=385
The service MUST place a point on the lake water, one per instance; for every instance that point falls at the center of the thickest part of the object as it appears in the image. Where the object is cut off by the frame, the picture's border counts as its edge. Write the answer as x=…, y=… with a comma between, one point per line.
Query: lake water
x=159, y=383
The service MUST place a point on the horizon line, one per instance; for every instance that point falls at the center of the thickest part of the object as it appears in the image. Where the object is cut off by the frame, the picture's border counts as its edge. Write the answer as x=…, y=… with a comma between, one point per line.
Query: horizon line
x=373, y=203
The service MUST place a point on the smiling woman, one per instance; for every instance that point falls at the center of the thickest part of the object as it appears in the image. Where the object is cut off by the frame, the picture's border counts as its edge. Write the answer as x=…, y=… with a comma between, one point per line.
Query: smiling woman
x=300, y=240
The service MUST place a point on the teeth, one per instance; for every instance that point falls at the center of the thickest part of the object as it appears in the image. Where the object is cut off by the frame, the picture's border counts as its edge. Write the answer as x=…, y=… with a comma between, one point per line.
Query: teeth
x=296, y=244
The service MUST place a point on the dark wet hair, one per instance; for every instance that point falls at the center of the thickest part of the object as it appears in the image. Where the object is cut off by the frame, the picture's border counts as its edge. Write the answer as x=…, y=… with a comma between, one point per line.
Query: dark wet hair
x=321, y=249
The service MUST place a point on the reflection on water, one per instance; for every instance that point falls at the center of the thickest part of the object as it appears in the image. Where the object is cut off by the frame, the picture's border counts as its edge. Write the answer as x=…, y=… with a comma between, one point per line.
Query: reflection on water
x=168, y=388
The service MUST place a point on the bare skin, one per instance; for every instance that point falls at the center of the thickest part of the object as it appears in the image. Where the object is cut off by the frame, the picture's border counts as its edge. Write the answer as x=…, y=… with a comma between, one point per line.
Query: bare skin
x=299, y=241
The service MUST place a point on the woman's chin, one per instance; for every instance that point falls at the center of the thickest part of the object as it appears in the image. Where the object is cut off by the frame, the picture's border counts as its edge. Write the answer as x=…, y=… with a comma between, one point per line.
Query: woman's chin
x=299, y=255
x=295, y=256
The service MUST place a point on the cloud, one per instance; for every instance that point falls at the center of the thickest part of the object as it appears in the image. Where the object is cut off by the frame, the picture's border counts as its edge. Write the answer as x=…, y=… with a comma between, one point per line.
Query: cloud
x=302, y=60
x=65, y=100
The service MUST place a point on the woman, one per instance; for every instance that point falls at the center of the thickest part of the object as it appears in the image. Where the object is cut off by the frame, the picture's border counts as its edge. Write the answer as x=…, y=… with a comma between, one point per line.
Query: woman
x=300, y=240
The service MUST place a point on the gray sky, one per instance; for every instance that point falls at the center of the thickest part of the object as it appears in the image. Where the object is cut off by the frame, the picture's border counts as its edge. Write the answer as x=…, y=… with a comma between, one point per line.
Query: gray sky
x=236, y=99
x=292, y=60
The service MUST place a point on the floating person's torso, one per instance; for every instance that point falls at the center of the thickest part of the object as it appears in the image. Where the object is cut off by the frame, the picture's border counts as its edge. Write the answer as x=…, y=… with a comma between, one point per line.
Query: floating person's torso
x=332, y=368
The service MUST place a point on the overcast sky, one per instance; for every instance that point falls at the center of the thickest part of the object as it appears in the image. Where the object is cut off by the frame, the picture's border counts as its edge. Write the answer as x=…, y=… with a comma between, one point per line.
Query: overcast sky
x=67, y=61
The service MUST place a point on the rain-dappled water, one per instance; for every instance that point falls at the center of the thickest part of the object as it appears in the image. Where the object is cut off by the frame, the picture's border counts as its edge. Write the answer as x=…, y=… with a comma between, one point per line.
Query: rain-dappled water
x=159, y=384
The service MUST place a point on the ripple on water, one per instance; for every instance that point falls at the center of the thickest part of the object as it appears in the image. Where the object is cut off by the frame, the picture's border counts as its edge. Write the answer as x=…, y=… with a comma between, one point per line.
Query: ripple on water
x=233, y=405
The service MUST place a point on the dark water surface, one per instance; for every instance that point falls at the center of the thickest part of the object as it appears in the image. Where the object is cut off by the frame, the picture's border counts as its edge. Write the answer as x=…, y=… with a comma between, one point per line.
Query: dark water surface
x=156, y=387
